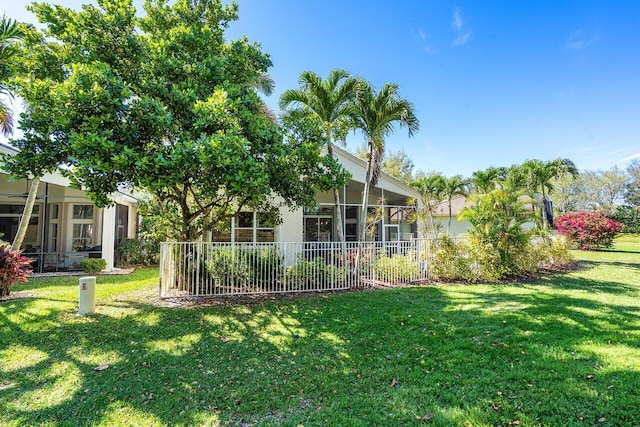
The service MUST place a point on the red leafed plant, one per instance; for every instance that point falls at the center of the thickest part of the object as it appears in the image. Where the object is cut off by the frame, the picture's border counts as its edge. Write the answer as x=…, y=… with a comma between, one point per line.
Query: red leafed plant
x=13, y=268
x=588, y=230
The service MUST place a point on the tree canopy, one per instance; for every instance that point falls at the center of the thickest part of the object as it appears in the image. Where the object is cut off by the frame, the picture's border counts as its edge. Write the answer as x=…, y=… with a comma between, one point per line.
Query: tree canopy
x=165, y=104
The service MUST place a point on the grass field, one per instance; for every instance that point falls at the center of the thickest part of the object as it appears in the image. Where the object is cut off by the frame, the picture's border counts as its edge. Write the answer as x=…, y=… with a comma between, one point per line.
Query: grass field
x=561, y=350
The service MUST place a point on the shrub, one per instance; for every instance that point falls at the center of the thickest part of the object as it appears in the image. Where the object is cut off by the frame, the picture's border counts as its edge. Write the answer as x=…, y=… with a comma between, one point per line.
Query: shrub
x=553, y=252
x=313, y=274
x=13, y=268
x=93, y=265
x=240, y=267
x=137, y=252
x=588, y=230
x=396, y=267
x=485, y=260
x=450, y=261
x=629, y=216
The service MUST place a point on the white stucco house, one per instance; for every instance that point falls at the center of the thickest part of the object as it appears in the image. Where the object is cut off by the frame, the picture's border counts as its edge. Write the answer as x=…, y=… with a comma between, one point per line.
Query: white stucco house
x=65, y=226
x=319, y=224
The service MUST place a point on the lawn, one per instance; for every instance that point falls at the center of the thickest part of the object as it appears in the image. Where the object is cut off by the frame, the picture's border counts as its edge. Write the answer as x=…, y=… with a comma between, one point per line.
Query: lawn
x=561, y=350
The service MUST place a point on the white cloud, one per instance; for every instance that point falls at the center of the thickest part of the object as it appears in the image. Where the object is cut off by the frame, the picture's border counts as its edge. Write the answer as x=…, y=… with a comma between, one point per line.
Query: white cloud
x=420, y=37
x=629, y=158
x=578, y=40
x=462, y=35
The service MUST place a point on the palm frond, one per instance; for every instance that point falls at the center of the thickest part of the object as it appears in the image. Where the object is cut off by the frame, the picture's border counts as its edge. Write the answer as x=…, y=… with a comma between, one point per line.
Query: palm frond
x=6, y=119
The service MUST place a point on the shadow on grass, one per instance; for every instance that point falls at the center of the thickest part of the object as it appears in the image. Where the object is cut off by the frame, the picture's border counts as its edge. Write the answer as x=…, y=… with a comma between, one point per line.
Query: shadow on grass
x=630, y=265
x=368, y=358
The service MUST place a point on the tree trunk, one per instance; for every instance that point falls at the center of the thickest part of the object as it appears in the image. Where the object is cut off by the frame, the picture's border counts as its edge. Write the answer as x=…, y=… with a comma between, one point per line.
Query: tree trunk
x=449, y=225
x=362, y=227
x=433, y=224
x=336, y=201
x=26, y=214
x=545, y=223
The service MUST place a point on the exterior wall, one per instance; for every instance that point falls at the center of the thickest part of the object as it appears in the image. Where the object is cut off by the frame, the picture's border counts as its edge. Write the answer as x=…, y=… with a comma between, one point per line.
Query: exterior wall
x=457, y=227
x=291, y=229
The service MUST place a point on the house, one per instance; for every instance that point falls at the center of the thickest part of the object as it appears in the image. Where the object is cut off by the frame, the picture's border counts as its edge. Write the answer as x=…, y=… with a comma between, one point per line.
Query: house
x=65, y=227
x=441, y=217
x=388, y=204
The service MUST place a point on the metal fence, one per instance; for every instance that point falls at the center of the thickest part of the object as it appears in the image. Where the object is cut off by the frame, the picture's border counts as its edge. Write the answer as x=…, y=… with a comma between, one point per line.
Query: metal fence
x=211, y=268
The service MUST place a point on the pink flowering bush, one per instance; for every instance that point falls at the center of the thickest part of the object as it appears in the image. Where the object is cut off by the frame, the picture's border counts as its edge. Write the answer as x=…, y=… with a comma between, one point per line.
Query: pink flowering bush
x=13, y=268
x=588, y=230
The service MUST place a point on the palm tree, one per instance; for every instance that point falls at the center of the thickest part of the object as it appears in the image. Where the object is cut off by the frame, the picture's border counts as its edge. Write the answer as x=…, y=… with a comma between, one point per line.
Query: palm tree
x=540, y=176
x=375, y=115
x=9, y=34
x=453, y=187
x=487, y=180
x=431, y=190
x=328, y=100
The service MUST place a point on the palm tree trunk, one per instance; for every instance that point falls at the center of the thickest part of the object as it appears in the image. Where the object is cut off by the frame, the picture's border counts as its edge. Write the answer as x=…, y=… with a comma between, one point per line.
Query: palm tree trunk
x=449, y=225
x=26, y=214
x=433, y=224
x=545, y=223
x=362, y=227
x=338, y=211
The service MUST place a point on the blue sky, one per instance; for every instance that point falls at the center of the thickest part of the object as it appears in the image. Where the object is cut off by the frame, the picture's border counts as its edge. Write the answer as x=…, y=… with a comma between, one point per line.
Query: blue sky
x=494, y=82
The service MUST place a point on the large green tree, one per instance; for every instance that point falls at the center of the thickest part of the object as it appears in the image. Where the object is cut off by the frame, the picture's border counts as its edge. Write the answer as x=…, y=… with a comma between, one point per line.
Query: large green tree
x=328, y=100
x=376, y=114
x=161, y=103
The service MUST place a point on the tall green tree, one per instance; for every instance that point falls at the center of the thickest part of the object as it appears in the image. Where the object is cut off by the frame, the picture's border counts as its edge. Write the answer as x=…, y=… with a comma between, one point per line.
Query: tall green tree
x=376, y=114
x=540, y=176
x=329, y=100
x=456, y=186
x=162, y=103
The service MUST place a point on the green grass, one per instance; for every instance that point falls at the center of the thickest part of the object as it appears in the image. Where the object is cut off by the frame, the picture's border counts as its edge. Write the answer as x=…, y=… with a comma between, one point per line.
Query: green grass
x=562, y=350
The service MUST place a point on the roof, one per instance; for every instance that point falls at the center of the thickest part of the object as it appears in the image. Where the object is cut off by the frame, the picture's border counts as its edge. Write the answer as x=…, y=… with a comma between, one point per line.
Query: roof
x=358, y=169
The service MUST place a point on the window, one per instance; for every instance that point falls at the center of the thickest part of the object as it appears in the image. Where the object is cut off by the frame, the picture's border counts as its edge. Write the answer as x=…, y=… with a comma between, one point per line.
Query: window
x=318, y=224
x=222, y=232
x=82, y=237
x=17, y=209
x=82, y=227
x=254, y=227
x=10, y=216
x=82, y=212
x=319, y=211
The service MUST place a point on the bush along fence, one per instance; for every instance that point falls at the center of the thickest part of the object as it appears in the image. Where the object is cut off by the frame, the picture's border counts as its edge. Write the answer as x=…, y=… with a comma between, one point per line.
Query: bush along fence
x=212, y=269
x=209, y=268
